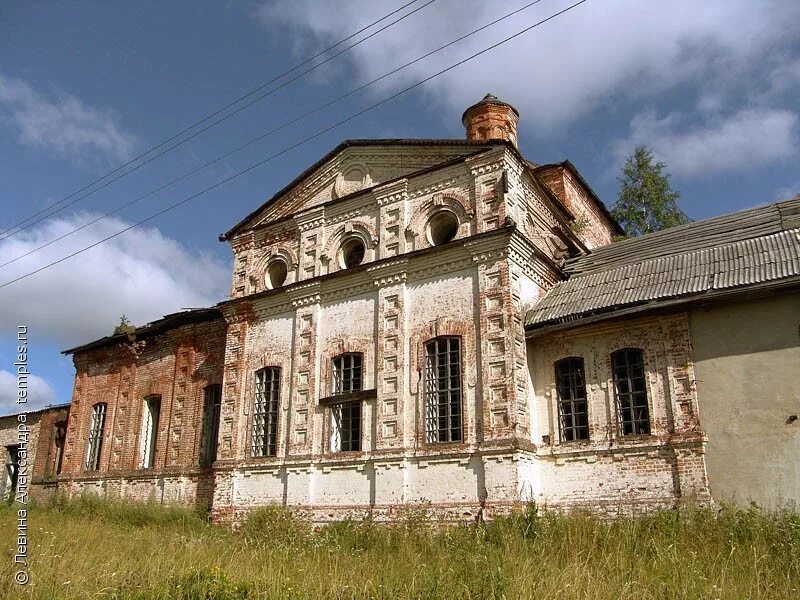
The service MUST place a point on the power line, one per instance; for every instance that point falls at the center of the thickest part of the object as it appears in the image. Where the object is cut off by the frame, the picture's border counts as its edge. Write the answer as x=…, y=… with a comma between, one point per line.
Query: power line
x=23, y=225
x=268, y=133
x=296, y=144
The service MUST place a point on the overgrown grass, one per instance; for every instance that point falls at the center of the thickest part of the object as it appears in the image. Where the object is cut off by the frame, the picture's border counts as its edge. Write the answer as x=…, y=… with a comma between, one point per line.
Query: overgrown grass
x=92, y=548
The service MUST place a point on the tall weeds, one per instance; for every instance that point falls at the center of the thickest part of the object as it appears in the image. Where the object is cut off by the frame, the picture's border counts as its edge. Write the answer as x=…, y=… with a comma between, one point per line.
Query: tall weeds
x=91, y=548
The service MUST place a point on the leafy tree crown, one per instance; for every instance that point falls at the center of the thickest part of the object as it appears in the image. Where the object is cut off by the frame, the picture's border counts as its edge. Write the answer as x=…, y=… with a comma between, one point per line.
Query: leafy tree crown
x=646, y=201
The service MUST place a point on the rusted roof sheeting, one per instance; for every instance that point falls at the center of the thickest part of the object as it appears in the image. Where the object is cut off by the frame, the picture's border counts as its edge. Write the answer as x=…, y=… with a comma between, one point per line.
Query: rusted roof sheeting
x=739, y=250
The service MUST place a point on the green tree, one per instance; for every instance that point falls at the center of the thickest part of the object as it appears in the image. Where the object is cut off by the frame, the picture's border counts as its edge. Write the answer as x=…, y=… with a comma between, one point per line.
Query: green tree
x=646, y=202
x=124, y=326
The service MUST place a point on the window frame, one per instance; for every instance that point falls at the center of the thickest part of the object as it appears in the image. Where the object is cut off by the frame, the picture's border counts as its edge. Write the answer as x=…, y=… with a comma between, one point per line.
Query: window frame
x=347, y=373
x=264, y=424
x=443, y=425
x=633, y=399
x=212, y=413
x=346, y=426
x=345, y=418
x=568, y=429
x=94, y=442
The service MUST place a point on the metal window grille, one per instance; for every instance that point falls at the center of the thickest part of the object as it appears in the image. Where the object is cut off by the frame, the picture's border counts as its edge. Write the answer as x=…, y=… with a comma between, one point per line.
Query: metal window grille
x=95, y=437
x=443, y=390
x=152, y=412
x=573, y=414
x=629, y=385
x=347, y=373
x=265, y=412
x=346, y=427
x=212, y=404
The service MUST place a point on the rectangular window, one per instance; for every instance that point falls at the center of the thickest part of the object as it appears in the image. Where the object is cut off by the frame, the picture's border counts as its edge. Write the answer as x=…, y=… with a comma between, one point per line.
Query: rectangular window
x=346, y=427
x=265, y=412
x=573, y=413
x=347, y=373
x=95, y=442
x=629, y=386
x=345, y=420
x=212, y=404
x=443, y=390
x=152, y=414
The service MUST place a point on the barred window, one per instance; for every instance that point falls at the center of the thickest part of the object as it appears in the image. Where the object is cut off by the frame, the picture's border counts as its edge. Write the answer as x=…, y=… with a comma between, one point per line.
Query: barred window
x=345, y=418
x=629, y=386
x=347, y=373
x=152, y=412
x=346, y=427
x=212, y=404
x=573, y=414
x=265, y=412
x=443, y=390
x=95, y=442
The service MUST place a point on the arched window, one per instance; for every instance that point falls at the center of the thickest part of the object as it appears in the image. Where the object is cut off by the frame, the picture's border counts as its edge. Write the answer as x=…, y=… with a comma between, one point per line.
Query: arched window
x=573, y=415
x=627, y=366
x=95, y=442
x=442, y=228
x=352, y=253
x=443, y=405
x=265, y=412
x=275, y=277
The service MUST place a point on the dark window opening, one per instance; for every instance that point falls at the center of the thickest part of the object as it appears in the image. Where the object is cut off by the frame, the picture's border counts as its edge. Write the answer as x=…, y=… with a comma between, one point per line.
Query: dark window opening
x=443, y=390
x=629, y=386
x=353, y=252
x=276, y=274
x=55, y=453
x=443, y=228
x=573, y=413
x=212, y=405
x=265, y=412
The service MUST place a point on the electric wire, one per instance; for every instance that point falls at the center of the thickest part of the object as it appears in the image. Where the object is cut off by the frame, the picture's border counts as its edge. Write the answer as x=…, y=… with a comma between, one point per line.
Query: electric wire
x=23, y=225
x=295, y=145
x=267, y=134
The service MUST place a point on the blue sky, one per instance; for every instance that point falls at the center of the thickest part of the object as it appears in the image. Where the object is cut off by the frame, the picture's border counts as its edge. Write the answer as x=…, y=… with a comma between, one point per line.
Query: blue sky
x=711, y=87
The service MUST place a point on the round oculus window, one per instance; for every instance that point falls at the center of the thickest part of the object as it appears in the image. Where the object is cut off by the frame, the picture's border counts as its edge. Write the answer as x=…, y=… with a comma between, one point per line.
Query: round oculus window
x=442, y=228
x=353, y=252
x=276, y=274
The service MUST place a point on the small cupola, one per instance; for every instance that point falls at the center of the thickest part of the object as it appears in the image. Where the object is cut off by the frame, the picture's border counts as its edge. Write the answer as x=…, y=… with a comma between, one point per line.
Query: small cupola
x=491, y=119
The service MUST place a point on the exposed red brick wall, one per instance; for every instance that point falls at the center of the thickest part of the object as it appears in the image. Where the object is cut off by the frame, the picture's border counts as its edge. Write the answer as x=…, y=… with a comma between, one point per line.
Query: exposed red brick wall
x=592, y=225
x=177, y=365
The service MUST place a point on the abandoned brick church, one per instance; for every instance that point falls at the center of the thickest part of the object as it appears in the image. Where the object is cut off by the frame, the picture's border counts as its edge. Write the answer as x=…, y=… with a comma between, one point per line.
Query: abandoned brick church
x=444, y=322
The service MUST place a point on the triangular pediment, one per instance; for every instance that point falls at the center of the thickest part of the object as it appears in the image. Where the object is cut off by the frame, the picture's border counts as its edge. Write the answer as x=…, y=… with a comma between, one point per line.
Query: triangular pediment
x=351, y=167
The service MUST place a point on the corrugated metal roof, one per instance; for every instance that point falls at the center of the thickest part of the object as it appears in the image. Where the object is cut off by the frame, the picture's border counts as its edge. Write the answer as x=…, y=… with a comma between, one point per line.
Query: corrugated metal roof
x=742, y=249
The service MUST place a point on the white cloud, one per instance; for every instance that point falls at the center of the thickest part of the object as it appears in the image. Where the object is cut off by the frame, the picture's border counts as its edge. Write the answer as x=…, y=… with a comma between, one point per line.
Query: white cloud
x=40, y=393
x=591, y=57
x=63, y=124
x=141, y=273
x=747, y=138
